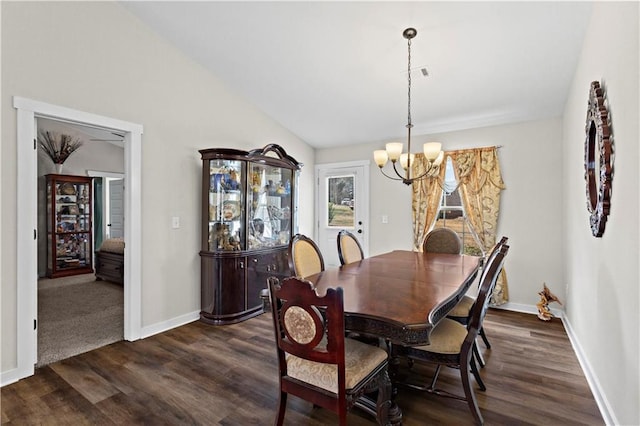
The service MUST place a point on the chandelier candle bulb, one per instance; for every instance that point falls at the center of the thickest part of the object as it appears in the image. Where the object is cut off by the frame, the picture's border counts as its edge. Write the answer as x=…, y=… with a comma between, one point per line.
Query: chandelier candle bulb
x=403, y=160
x=381, y=157
x=432, y=150
x=394, y=149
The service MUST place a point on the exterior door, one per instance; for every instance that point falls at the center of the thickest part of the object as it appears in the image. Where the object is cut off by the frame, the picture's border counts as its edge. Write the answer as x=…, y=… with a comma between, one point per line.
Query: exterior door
x=116, y=208
x=342, y=201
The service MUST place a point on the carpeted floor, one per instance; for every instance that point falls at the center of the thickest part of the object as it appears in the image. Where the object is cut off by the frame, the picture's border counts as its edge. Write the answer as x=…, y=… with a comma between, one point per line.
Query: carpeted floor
x=77, y=314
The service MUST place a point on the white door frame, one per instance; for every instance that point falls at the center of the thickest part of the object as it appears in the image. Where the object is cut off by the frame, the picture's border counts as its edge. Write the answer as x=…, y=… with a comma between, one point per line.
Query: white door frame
x=27, y=205
x=366, y=164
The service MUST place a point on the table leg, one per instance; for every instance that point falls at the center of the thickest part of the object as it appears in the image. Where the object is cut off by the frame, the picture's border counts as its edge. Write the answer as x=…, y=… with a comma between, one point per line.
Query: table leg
x=395, y=414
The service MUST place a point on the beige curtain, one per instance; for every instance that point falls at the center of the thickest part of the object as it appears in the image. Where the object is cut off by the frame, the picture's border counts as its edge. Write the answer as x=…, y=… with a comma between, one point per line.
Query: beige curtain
x=426, y=198
x=479, y=182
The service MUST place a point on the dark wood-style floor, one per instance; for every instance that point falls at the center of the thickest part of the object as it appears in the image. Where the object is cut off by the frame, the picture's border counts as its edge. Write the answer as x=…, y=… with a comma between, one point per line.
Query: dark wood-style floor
x=226, y=375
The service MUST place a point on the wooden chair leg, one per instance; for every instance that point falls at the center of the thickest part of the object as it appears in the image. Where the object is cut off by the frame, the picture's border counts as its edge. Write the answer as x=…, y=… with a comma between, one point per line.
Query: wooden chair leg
x=484, y=338
x=432, y=386
x=282, y=407
x=478, y=355
x=470, y=394
x=476, y=374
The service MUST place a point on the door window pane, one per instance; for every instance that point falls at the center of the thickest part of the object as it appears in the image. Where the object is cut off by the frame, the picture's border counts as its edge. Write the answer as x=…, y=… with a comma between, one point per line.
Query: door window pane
x=341, y=195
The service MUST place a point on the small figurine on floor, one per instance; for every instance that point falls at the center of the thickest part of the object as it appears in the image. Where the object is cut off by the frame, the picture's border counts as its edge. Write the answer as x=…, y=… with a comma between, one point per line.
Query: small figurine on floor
x=543, y=305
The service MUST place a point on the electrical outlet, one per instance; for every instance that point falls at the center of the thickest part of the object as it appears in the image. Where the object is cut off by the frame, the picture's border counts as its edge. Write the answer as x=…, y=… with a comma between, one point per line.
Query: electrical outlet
x=385, y=218
x=175, y=222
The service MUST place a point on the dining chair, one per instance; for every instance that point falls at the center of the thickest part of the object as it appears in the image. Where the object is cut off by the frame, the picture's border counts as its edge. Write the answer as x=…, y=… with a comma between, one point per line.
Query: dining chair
x=349, y=249
x=315, y=360
x=462, y=309
x=305, y=258
x=442, y=240
x=446, y=240
x=451, y=343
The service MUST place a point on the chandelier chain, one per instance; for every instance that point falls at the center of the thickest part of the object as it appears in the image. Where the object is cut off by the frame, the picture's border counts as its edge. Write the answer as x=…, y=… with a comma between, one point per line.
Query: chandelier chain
x=409, y=80
x=400, y=160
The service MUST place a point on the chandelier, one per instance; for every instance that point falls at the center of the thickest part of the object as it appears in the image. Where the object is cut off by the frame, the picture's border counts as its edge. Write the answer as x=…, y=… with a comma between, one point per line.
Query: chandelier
x=393, y=151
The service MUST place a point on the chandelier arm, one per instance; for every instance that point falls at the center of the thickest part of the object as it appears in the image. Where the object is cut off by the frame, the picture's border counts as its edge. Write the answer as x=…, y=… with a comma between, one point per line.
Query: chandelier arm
x=409, y=181
x=390, y=177
x=430, y=169
x=403, y=178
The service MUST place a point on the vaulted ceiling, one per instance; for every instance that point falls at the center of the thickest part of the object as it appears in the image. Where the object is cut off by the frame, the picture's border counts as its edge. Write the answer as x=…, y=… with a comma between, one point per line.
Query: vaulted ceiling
x=335, y=73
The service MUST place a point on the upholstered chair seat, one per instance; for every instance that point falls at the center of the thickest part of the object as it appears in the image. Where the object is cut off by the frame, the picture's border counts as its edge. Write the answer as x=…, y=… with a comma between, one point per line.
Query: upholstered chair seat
x=446, y=338
x=463, y=307
x=360, y=359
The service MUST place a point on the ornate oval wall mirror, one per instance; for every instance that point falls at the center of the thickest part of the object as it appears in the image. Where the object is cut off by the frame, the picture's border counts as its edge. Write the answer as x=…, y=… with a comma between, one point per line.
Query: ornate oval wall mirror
x=598, y=160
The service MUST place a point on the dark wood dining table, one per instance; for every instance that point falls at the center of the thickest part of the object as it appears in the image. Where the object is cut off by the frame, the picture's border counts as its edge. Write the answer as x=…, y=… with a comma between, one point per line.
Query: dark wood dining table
x=401, y=295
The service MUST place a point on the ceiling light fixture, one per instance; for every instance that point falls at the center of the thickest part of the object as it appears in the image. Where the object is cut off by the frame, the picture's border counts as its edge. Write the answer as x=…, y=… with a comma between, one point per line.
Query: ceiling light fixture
x=432, y=150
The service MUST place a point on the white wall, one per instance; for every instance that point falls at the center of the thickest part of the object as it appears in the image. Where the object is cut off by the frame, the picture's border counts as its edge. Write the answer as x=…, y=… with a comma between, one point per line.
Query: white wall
x=602, y=273
x=97, y=57
x=529, y=213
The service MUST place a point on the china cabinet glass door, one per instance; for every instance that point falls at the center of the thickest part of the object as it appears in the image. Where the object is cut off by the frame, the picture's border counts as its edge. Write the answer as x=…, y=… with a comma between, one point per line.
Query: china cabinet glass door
x=68, y=225
x=269, y=209
x=226, y=205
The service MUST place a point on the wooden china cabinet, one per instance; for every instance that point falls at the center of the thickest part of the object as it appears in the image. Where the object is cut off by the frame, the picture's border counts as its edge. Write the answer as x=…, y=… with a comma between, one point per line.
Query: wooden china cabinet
x=249, y=211
x=69, y=220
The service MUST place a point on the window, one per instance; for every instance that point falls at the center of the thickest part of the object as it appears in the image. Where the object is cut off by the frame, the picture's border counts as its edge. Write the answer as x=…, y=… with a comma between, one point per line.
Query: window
x=341, y=201
x=451, y=214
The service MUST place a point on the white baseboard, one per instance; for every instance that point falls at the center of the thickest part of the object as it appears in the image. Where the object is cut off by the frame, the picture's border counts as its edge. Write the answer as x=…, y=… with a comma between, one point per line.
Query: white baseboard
x=528, y=309
x=11, y=376
x=160, y=327
x=601, y=399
